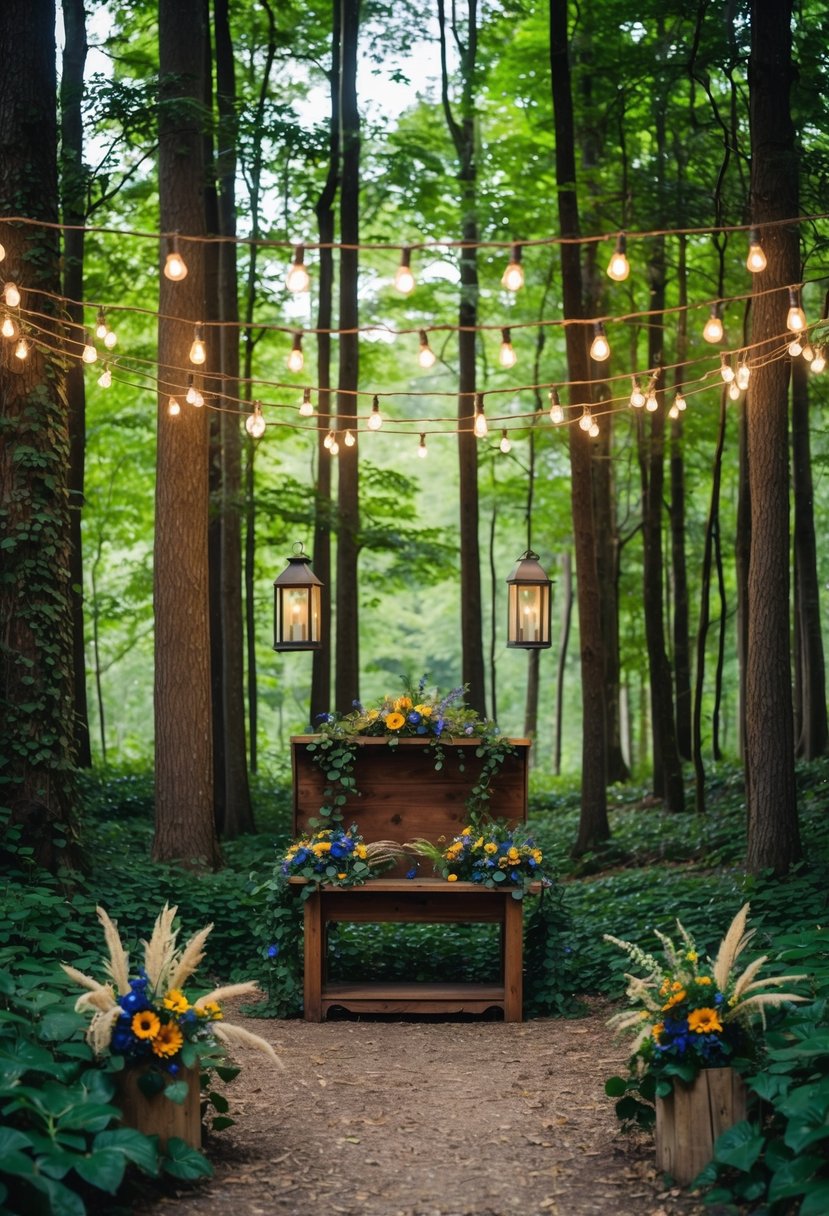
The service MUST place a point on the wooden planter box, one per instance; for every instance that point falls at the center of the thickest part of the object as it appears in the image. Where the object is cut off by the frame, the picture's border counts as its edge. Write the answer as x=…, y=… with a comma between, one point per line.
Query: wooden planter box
x=158, y=1115
x=691, y=1118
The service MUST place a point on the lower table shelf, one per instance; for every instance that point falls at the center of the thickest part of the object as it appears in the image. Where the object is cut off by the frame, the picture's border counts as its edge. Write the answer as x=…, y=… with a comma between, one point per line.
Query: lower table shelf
x=412, y=997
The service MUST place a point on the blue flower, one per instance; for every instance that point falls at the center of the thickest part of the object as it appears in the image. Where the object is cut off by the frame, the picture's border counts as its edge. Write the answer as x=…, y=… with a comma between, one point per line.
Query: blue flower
x=173, y=1069
x=273, y=951
x=414, y=718
x=342, y=848
x=412, y=873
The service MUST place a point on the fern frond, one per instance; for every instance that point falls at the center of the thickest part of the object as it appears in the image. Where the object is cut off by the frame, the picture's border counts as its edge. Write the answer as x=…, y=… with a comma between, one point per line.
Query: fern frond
x=230, y=1034
x=160, y=949
x=189, y=959
x=118, y=966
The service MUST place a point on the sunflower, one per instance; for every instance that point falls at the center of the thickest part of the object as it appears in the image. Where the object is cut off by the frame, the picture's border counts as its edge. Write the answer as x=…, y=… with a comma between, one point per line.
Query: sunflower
x=145, y=1025
x=176, y=1001
x=168, y=1041
x=394, y=721
x=704, y=1021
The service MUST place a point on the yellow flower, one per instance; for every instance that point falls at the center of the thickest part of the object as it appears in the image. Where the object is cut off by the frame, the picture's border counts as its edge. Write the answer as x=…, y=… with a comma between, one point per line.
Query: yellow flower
x=395, y=721
x=177, y=1001
x=145, y=1025
x=360, y=851
x=372, y=714
x=425, y=711
x=676, y=999
x=212, y=1010
x=658, y=1027
x=490, y=847
x=676, y=986
x=692, y=956
x=451, y=878
x=322, y=846
x=479, y=843
x=342, y=875
x=168, y=1040
x=704, y=1021
x=703, y=979
x=513, y=855
x=403, y=704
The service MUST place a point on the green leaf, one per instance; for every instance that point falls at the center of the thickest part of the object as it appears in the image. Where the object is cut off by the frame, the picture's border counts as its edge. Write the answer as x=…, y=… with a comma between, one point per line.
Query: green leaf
x=739, y=1146
x=141, y=1150
x=793, y=1177
x=103, y=1168
x=816, y=1201
x=177, y=1092
x=221, y=1122
x=185, y=1162
x=615, y=1087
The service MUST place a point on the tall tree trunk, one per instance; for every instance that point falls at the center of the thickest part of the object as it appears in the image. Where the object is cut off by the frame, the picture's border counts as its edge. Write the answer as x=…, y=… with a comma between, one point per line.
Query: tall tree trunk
x=679, y=570
x=347, y=683
x=238, y=813
x=593, y=824
x=561, y=664
x=814, y=733
x=773, y=838
x=321, y=661
x=73, y=197
x=742, y=550
x=463, y=131
x=607, y=563
x=184, y=829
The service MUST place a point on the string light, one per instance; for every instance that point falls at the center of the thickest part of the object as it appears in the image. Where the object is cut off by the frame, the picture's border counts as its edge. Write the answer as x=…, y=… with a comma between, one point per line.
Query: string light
x=22, y=349
x=8, y=328
x=586, y=420
x=480, y=426
x=375, y=418
x=506, y=444
x=198, y=352
x=594, y=429
x=105, y=378
x=743, y=373
x=328, y=440
x=618, y=267
x=637, y=397
x=101, y=327
x=89, y=353
x=513, y=276
x=296, y=359
x=734, y=392
x=556, y=409
x=726, y=370
x=426, y=356
x=298, y=279
x=713, y=331
x=651, y=401
x=808, y=352
x=349, y=439
x=680, y=402
x=306, y=410
x=173, y=408
x=255, y=422
x=819, y=361
x=600, y=347
x=110, y=338
x=507, y=356
x=334, y=447
x=11, y=294
x=673, y=412
x=175, y=267
x=2, y=253
x=795, y=347
x=403, y=278
x=796, y=318
x=193, y=396
x=421, y=447
x=756, y=260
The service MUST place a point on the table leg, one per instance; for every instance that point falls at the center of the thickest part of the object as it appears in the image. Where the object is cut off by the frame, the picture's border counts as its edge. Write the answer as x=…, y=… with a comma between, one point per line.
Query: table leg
x=513, y=959
x=314, y=958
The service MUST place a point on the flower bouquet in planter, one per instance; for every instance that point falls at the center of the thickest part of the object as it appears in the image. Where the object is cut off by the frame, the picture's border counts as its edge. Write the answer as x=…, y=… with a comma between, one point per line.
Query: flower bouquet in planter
x=338, y=857
x=488, y=852
x=144, y=1021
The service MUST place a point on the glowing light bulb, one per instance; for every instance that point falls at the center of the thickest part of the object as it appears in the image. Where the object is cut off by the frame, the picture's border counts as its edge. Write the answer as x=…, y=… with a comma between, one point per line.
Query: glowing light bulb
x=586, y=420
x=296, y=359
x=673, y=412
x=2, y=253
x=101, y=327
x=726, y=370
x=808, y=352
x=594, y=429
x=600, y=347
x=756, y=260
x=298, y=278
x=713, y=331
x=795, y=348
x=198, y=351
x=506, y=356
x=328, y=440
x=819, y=361
x=743, y=374
x=105, y=378
x=22, y=349
x=426, y=356
x=421, y=447
x=513, y=276
x=110, y=338
x=255, y=422
x=680, y=402
x=193, y=396
x=403, y=278
x=375, y=418
x=556, y=408
x=349, y=439
x=11, y=294
x=618, y=267
x=334, y=449
x=480, y=426
x=306, y=410
x=651, y=402
x=796, y=318
x=637, y=397
x=734, y=392
x=89, y=353
x=8, y=328
x=173, y=408
x=506, y=444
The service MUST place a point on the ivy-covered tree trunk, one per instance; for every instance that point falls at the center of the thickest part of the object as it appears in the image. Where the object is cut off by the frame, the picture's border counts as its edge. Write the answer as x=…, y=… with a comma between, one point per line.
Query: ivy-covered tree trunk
x=36, y=661
x=773, y=836
x=184, y=828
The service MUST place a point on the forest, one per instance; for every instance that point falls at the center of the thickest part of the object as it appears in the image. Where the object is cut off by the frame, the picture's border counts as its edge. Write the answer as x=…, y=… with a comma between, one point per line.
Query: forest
x=407, y=318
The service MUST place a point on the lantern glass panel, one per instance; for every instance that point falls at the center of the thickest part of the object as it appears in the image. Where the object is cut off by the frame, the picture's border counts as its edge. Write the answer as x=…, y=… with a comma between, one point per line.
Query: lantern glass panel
x=529, y=615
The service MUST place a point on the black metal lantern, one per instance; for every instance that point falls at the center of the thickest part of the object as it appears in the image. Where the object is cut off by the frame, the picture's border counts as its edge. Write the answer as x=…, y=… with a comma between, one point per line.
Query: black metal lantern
x=529, y=604
x=297, y=605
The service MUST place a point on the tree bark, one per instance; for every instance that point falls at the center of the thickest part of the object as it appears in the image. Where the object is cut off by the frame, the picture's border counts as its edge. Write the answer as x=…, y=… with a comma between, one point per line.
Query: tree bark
x=347, y=682
x=679, y=569
x=184, y=829
x=593, y=823
x=561, y=664
x=773, y=838
x=36, y=658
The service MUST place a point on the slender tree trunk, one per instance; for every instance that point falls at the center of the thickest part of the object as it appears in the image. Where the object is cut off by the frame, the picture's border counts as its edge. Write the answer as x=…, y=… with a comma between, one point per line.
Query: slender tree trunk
x=73, y=197
x=742, y=550
x=238, y=813
x=561, y=665
x=184, y=830
x=679, y=570
x=347, y=684
x=814, y=732
x=607, y=562
x=593, y=824
x=773, y=838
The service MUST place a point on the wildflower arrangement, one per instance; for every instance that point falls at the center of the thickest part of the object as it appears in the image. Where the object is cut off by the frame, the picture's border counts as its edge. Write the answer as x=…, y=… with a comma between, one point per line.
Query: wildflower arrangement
x=691, y=1013
x=338, y=857
x=416, y=713
x=146, y=1018
x=488, y=852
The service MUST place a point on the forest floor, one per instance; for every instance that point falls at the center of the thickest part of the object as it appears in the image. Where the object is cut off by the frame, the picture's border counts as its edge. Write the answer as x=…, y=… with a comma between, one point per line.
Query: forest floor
x=429, y=1118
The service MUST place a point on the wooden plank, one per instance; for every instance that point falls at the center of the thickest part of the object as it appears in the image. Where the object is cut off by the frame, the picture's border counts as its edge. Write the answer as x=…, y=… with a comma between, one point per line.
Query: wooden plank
x=691, y=1117
x=158, y=1115
x=513, y=960
x=314, y=958
x=414, y=998
x=438, y=904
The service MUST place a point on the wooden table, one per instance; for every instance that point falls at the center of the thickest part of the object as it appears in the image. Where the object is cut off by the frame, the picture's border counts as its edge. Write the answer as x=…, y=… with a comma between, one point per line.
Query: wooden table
x=418, y=900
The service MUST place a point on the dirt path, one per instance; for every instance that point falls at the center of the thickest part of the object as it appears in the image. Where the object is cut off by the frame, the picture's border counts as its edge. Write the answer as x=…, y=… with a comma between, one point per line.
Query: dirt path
x=429, y=1119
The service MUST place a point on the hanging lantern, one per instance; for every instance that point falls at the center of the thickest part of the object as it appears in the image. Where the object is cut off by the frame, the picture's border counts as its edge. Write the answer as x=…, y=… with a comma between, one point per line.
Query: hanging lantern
x=297, y=605
x=529, y=604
